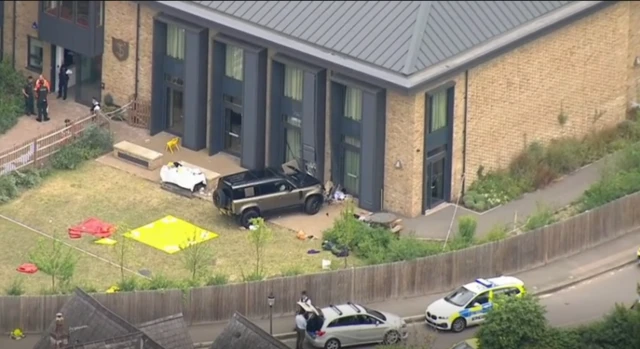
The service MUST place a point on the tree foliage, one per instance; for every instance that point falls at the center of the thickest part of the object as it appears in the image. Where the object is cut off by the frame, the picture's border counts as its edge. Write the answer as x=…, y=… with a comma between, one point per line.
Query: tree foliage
x=55, y=259
x=514, y=322
x=197, y=256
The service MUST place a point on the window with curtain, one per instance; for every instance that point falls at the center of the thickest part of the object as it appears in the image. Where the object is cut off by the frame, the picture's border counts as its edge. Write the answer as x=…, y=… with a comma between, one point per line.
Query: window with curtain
x=36, y=54
x=175, y=41
x=293, y=82
x=351, y=180
x=353, y=103
x=438, y=117
x=234, y=62
x=293, y=138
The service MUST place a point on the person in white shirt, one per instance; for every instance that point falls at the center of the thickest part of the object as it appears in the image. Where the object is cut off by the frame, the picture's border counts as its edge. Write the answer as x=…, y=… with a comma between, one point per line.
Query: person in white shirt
x=301, y=328
x=304, y=298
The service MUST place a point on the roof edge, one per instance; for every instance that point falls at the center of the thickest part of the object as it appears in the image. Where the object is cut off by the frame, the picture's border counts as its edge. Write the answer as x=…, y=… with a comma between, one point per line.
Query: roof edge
x=418, y=32
x=500, y=42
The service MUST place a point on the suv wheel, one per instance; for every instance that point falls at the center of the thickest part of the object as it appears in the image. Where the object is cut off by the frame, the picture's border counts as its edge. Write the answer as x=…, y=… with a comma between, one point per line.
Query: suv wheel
x=313, y=205
x=220, y=199
x=247, y=216
x=332, y=344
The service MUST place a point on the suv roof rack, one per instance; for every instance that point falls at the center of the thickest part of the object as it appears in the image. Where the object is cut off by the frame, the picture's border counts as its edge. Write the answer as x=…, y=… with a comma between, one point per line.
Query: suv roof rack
x=336, y=309
x=355, y=307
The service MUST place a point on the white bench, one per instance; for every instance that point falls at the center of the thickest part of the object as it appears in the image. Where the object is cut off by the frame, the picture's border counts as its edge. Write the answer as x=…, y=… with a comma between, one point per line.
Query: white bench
x=211, y=176
x=138, y=155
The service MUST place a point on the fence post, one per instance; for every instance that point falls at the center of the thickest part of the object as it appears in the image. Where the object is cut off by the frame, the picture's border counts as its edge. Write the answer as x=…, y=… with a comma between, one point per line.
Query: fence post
x=35, y=152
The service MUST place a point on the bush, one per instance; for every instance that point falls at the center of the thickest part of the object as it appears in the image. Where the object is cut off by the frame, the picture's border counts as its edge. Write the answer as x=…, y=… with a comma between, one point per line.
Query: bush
x=160, y=282
x=11, y=101
x=610, y=188
x=16, y=288
x=8, y=188
x=565, y=155
x=492, y=190
x=217, y=280
x=293, y=271
x=497, y=233
x=129, y=284
x=467, y=229
x=541, y=218
x=94, y=142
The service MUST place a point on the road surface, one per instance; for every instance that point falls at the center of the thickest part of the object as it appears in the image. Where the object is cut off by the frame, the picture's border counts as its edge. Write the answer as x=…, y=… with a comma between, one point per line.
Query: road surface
x=564, y=308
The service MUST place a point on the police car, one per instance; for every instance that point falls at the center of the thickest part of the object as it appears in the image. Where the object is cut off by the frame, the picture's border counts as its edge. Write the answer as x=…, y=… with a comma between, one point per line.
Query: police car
x=469, y=304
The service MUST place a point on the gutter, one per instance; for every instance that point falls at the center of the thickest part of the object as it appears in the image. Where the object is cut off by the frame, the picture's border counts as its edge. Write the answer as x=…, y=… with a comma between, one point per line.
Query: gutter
x=13, y=42
x=295, y=47
x=464, y=131
x=137, y=73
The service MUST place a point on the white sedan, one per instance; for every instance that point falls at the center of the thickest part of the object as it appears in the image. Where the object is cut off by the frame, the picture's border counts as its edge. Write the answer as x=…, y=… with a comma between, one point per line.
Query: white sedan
x=188, y=178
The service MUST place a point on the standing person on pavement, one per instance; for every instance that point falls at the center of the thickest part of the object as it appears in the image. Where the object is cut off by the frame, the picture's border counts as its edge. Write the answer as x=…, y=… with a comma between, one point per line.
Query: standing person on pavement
x=301, y=328
x=304, y=298
x=63, y=82
x=42, y=90
x=27, y=92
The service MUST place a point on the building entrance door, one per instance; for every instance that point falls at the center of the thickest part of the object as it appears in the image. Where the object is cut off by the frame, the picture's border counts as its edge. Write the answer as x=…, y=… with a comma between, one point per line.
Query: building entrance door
x=434, y=180
x=232, y=125
x=175, y=110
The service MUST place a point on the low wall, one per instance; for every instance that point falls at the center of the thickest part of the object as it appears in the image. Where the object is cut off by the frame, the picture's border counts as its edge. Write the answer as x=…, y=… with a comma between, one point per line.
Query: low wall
x=365, y=284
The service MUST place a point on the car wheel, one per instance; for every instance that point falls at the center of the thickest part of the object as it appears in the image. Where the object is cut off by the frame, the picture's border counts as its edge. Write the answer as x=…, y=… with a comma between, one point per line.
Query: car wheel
x=313, y=205
x=392, y=337
x=220, y=198
x=458, y=325
x=332, y=344
x=198, y=187
x=247, y=216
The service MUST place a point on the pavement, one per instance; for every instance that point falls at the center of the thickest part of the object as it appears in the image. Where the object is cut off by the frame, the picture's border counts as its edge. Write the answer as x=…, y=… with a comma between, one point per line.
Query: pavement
x=435, y=225
x=544, y=280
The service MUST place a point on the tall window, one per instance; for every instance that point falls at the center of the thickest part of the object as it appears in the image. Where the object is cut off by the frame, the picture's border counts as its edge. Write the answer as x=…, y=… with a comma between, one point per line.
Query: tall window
x=175, y=41
x=234, y=58
x=35, y=54
x=66, y=10
x=293, y=82
x=351, y=165
x=353, y=104
x=50, y=7
x=83, y=13
x=438, y=111
x=293, y=138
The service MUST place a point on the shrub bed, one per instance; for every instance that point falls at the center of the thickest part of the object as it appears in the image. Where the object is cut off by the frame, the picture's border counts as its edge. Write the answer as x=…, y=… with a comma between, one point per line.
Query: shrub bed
x=538, y=165
x=93, y=142
x=11, y=100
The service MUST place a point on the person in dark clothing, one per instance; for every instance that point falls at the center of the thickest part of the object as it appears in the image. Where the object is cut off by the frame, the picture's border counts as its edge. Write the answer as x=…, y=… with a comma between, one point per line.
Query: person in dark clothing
x=42, y=90
x=27, y=92
x=63, y=82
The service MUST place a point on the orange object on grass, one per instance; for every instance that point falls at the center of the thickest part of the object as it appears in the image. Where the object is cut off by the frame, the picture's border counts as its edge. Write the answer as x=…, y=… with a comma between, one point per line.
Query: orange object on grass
x=27, y=268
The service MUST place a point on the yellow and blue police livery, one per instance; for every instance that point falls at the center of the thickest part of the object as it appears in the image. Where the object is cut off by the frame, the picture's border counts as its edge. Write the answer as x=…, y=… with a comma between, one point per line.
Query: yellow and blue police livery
x=469, y=304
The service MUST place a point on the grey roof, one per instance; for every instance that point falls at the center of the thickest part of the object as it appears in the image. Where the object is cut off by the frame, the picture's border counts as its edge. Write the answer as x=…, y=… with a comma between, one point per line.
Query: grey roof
x=131, y=341
x=241, y=333
x=401, y=36
x=399, y=44
x=171, y=332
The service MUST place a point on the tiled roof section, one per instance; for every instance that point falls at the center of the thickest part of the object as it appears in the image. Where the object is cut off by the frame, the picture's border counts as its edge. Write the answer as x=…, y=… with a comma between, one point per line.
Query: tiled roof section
x=131, y=341
x=241, y=333
x=401, y=36
x=171, y=332
x=88, y=321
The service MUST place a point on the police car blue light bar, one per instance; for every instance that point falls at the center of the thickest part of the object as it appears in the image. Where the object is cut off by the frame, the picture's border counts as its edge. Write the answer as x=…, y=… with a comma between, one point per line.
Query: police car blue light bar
x=485, y=283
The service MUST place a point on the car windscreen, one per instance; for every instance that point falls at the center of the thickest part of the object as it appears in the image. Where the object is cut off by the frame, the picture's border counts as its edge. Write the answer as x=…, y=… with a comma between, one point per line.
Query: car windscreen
x=460, y=297
x=375, y=313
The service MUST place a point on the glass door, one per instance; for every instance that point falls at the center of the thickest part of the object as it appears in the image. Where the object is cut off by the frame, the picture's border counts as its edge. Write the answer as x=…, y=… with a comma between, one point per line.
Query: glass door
x=89, y=79
x=351, y=166
x=293, y=138
x=175, y=111
x=435, y=181
x=232, y=131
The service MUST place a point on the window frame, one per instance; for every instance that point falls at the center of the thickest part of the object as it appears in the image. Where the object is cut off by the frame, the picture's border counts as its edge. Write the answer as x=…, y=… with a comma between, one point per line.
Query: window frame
x=230, y=69
x=353, y=94
x=73, y=11
x=291, y=88
x=31, y=67
x=77, y=14
x=43, y=8
x=181, y=33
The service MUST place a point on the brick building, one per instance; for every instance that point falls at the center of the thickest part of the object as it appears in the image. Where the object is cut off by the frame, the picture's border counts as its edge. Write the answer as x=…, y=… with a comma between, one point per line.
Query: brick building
x=397, y=101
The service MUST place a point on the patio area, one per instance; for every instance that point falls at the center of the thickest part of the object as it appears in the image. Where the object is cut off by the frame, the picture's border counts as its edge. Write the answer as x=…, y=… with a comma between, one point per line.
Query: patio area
x=28, y=128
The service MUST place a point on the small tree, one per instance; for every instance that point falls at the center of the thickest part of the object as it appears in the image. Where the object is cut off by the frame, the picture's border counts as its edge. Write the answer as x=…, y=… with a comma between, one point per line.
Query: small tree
x=122, y=250
x=55, y=259
x=196, y=256
x=514, y=322
x=259, y=236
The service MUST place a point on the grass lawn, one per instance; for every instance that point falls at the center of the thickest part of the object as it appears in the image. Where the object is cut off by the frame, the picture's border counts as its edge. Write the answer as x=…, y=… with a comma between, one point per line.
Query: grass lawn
x=15, y=244
x=95, y=190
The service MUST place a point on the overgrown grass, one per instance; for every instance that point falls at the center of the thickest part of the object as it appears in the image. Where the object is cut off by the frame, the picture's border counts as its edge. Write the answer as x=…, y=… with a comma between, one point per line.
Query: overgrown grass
x=538, y=165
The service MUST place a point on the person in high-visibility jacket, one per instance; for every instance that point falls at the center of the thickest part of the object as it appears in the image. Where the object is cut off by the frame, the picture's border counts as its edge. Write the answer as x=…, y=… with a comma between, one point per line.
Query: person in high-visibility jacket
x=43, y=87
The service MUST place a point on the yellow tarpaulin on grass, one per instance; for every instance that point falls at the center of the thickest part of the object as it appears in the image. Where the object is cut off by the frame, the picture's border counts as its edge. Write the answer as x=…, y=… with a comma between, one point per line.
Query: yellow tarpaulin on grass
x=106, y=241
x=170, y=234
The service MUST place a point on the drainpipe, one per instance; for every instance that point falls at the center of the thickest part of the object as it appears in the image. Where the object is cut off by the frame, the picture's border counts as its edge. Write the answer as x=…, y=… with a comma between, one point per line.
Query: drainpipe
x=464, y=130
x=13, y=42
x=135, y=94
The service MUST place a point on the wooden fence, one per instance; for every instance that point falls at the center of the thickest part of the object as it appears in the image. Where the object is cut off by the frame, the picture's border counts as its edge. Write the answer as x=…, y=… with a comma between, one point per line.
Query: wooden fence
x=365, y=284
x=38, y=150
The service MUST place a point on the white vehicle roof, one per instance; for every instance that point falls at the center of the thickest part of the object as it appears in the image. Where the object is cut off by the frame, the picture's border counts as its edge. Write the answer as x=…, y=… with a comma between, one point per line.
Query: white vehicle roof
x=481, y=285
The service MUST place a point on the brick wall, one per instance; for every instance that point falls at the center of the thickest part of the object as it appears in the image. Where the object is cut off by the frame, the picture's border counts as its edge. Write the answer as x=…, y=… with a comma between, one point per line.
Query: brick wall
x=26, y=14
x=584, y=71
x=119, y=76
